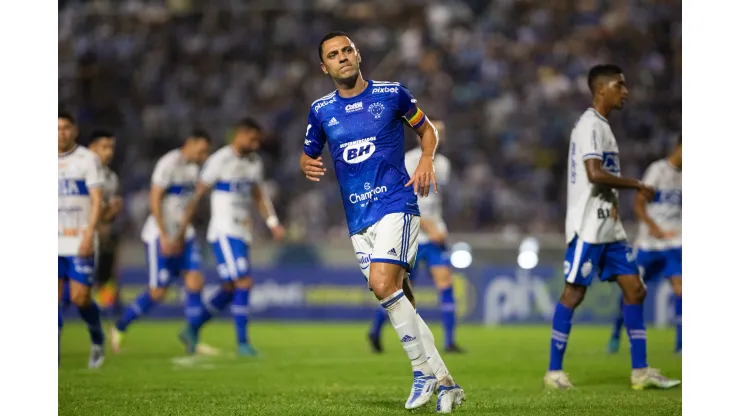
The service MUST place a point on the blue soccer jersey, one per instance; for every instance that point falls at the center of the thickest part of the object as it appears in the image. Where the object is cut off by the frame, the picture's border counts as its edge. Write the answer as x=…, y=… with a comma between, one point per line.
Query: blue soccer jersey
x=366, y=140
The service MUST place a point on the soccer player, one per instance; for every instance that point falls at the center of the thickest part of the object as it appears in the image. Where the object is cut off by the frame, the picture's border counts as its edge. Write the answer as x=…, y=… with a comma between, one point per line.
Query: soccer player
x=659, y=236
x=235, y=175
x=597, y=242
x=362, y=122
x=171, y=246
x=432, y=249
x=80, y=206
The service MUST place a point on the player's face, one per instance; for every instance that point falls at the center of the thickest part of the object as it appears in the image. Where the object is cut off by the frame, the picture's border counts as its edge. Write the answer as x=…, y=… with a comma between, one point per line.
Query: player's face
x=105, y=148
x=67, y=133
x=616, y=91
x=198, y=150
x=247, y=140
x=341, y=60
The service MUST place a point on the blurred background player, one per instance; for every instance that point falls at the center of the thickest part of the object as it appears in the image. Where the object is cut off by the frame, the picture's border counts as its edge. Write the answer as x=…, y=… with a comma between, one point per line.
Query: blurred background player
x=171, y=245
x=235, y=174
x=80, y=206
x=432, y=252
x=103, y=144
x=363, y=121
x=659, y=237
x=597, y=241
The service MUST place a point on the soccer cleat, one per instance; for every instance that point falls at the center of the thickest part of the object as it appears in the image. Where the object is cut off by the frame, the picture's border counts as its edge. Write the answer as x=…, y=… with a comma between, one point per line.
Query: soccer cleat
x=613, y=346
x=557, y=380
x=97, y=356
x=422, y=390
x=454, y=349
x=246, y=350
x=375, y=343
x=205, y=349
x=116, y=340
x=449, y=398
x=651, y=378
x=189, y=338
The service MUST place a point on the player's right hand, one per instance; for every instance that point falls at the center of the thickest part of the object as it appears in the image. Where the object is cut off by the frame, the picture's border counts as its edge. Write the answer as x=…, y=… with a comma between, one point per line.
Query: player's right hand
x=647, y=192
x=313, y=168
x=86, y=245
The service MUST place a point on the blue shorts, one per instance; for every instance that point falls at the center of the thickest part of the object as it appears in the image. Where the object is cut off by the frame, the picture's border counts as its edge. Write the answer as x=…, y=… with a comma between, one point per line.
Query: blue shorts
x=232, y=257
x=162, y=269
x=79, y=269
x=583, y=261
x=432, y=255
x=663, y=263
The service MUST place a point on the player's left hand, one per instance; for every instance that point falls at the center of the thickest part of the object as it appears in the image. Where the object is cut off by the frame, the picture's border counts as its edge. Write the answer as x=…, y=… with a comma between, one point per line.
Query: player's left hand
x=278, y=232
x=423, y=177
x=115, y=205
x=86, y=245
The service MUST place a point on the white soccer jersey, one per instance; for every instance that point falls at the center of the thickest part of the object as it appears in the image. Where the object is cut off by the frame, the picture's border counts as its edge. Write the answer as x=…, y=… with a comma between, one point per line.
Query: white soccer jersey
x=430, y=207
x=665, y=209
x=79, y=171
x=592, y=209
x=231, y=178
x=177, y=177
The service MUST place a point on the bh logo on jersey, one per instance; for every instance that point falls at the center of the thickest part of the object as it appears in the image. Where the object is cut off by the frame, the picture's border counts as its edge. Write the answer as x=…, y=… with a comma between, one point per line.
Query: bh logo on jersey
x=358, y=152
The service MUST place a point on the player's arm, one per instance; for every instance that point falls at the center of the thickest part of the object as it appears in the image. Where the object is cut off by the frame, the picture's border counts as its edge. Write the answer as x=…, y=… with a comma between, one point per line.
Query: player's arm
x=313, y=145
x=267, y=210
x=208, y=177
x=430, y=227
x=114, y=206
x=161, y=180
x=640, y=205
x=431, y=230
x=94, y=183
x=423, y=177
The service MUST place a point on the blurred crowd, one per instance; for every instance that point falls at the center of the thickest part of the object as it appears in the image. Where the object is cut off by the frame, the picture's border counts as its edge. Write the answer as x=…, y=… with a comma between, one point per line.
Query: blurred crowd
x=507, y=77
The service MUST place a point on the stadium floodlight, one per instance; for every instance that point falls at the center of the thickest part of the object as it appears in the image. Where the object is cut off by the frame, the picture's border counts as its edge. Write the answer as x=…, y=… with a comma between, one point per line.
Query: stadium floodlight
x=528, y=253
x=461, y=255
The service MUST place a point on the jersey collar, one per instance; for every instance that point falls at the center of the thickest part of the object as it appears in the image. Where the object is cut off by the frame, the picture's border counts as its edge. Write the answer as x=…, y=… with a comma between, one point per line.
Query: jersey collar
x=599, y=116
x=68, y=153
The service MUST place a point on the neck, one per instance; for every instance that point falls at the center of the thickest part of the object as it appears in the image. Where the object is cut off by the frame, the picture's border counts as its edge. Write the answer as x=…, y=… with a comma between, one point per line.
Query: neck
x=237, y=150
x=601, y=108
x=674, y=161
x=350, y=87
x=63, y=150
x=184, y=154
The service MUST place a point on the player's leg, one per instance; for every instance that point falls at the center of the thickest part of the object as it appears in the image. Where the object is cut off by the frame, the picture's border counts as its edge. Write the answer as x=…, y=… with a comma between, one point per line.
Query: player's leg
x=620, y=264
x=674, y=271
x=80, y=281
x=161, y=272
x=440, y=269
x=617, y=325
x=62, y=273
x=65, y=299
x=649, y=265
x=581, y=260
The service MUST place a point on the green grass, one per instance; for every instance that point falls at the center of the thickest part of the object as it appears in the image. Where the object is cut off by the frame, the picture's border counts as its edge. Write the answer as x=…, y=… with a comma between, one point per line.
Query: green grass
x=327, y=369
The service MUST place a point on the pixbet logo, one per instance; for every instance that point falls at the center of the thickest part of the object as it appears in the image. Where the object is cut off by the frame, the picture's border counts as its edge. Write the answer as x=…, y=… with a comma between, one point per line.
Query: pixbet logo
x=323, y=104
x=377, y=90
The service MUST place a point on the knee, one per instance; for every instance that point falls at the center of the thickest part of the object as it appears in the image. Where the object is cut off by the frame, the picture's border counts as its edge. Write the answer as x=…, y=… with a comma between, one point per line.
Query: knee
x=194, y=282
x=442, y=278
x=383, y=284
x=244, y=283
x=227, y=287
x=81, y=298
x=158, y=294
x=635, y=295
x=572, y=296
x=676, y=283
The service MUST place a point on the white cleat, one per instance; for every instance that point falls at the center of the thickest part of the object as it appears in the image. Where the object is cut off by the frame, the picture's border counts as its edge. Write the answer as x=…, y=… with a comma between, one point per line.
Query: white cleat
x=207, y=350
x=651, y=378
x=557, y=380
x=449, y=398
x=421, y=391
x=97, y=356
x=116, y=340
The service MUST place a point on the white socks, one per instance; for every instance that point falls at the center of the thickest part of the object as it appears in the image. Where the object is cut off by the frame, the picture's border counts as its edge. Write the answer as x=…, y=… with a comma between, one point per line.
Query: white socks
x=403, y=318
x=435, y=360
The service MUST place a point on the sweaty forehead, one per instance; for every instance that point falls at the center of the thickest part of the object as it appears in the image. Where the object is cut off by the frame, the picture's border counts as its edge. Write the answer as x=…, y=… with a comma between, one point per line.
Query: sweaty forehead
x=336, y=43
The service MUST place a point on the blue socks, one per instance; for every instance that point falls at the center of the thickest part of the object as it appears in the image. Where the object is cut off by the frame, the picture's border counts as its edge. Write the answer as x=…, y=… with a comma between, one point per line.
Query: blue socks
x=239, y=309
x=618, y=321
x=91, y=316
x=635, y=323
x=447, y=305
x=677, y=305
x=380, y=317
x=193, y=307
x=65, y=296
x=218, y=303
x=141, y=306
x=561, y=324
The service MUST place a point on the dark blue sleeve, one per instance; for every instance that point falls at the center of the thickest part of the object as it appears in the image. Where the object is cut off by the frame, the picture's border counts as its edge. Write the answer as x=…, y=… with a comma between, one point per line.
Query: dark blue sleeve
x=313, y=145
x=408, y=110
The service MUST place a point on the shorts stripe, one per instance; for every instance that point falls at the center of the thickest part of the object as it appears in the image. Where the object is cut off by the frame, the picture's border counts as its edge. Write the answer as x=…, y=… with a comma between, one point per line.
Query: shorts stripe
x=408, y=237
x=223, y=242
x=402, y=254
x=576, y=262
x=151, y=254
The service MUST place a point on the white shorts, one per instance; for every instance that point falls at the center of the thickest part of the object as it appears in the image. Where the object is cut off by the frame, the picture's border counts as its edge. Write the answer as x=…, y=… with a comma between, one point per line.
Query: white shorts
x=393, y=239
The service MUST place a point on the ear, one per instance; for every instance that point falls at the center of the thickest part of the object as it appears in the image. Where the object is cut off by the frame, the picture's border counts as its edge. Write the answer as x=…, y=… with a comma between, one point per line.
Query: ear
x=323, y=68
x=359, y=57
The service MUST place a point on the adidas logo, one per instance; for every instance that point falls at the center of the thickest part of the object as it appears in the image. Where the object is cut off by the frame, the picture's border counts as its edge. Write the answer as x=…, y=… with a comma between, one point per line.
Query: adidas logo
x=392, y=252
x=333, y=122
x=407, y=338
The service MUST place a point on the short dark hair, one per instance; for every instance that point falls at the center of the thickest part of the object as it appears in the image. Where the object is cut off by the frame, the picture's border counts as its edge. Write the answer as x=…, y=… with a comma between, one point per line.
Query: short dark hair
x=248, y=123
x=200, y=134
x=603, y=70
x=65, y=115
x=330, y=35
x=99, y=134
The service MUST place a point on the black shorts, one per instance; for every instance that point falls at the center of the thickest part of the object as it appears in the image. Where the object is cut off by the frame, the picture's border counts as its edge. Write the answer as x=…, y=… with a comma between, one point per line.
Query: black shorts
x=106, y=262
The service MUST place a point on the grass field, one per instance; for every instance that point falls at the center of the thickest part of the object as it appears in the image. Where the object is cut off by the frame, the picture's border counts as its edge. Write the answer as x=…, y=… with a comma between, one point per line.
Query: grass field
x=317, y=369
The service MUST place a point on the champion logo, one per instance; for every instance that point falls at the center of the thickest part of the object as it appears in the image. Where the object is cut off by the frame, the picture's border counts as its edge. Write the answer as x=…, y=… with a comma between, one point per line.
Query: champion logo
x=392, y=252
x=407, y=338
x=333, y=122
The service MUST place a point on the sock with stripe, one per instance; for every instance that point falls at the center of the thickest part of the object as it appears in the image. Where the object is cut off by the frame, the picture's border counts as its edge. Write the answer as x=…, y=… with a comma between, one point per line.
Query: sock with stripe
x=436, y=364
x=91, y=316
x=239, y=309
x=380, y=317
x=402, y=316
x=141, y=306
x=218, y=303
x=618, y=321
x=561, y=324
x=193, y=307
x=634, y=321
x=677, y=305
x=447, y=305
